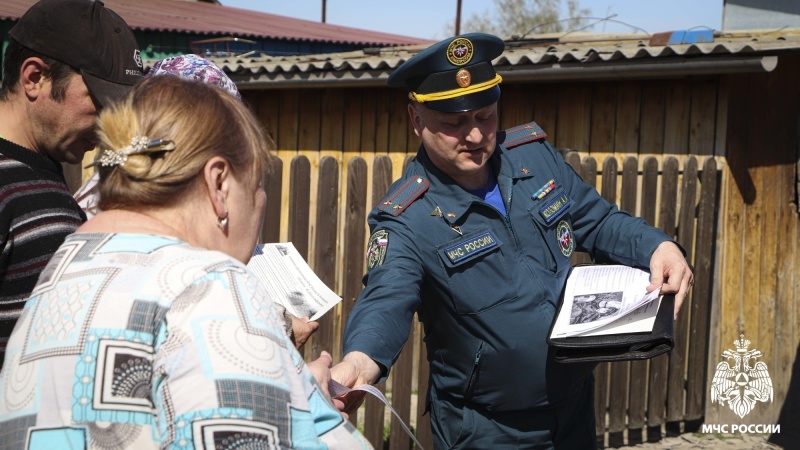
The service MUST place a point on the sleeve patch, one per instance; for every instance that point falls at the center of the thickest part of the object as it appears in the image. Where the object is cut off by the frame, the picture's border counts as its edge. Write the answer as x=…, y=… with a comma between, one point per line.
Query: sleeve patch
x=522, y=134
x=376, y=250
x=397, y=200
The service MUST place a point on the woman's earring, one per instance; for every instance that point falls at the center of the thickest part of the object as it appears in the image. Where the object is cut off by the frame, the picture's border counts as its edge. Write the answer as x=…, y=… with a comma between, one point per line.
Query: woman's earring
x=223, y=222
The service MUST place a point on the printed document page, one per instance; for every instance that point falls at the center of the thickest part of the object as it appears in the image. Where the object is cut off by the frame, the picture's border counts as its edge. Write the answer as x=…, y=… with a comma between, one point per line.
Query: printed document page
x=606, y=299
x=290, y=281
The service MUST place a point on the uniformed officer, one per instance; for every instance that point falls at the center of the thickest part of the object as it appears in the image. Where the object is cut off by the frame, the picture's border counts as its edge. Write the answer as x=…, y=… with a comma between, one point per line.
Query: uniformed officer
x=477, y=238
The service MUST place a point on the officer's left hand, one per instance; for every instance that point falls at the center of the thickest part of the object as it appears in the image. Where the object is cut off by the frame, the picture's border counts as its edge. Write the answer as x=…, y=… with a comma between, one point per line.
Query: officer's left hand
x=669, y=269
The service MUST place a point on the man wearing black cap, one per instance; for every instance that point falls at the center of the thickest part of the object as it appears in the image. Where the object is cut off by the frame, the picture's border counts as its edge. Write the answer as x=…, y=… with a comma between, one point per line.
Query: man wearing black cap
x=65, y=60
x=477, y=238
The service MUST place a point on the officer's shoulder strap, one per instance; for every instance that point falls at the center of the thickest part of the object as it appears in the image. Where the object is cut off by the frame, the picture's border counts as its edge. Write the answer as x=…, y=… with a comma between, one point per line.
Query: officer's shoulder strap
x=403, y=194
x=521, y=134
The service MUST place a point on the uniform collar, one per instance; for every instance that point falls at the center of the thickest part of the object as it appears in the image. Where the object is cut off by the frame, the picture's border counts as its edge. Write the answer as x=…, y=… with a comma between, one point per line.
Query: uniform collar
x=452, y=200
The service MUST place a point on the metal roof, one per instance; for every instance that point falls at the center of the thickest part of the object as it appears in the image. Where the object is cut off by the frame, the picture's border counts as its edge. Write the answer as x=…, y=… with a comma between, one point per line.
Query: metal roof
x=209, y=18
x=542, y=58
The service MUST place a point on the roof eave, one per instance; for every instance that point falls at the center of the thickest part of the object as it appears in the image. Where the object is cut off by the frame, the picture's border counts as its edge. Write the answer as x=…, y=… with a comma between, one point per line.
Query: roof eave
x=525, y=73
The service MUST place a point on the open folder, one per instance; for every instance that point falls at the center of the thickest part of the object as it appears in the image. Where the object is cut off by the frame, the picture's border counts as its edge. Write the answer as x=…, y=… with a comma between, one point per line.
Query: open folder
x=605, y=314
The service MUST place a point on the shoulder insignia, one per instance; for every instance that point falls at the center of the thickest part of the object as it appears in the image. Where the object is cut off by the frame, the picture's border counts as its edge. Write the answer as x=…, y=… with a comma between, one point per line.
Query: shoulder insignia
x=398, y=199
x=521, y=134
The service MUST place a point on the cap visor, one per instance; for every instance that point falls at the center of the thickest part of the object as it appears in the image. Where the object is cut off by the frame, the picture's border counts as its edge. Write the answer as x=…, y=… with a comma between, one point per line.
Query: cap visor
x=105, y=92
x=466, y=102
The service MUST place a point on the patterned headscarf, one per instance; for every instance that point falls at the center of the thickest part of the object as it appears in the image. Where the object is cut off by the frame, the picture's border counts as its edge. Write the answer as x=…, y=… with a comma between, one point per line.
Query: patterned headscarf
x=193, y=67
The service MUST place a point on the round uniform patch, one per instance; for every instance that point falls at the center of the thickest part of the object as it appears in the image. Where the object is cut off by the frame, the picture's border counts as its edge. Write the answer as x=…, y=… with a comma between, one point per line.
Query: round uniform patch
x=460, y=51
x=565, y=241
x=376, y=250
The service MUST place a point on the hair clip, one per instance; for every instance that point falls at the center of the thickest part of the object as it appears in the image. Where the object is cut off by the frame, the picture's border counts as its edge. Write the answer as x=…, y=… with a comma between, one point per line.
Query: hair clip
x=139, y=145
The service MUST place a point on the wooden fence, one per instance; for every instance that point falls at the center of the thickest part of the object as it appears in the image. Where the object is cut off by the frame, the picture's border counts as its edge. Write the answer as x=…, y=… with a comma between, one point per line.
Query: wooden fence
x=643, y=397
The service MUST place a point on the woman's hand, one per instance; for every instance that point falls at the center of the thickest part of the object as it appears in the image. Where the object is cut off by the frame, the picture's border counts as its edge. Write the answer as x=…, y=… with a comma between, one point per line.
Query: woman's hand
x=302, y=329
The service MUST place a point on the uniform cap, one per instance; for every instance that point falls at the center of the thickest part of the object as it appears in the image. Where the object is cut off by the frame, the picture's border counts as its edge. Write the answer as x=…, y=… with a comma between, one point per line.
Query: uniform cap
x=453, y=75
x=86, y=35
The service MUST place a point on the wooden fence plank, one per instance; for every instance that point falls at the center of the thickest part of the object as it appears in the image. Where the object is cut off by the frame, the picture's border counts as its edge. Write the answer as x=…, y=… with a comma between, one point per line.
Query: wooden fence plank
x=575, y=112
x=353, y=133
x=651, y=138
x=626, y=136
x=369, y=123
x=627, y=376
x=755, y=296
x=617, y=393
x=630, y=182
x=657, y=377
x=701, y=119
x=401, y=395
x=574, y=160
x=299, y=199
x=732, y=217
x=601, y=381
x=273, y=182
x=545, y=111
x=702, y=291
x=398, y=122
x=288, y=120
x=515, y=106
x=771, y=243
x=354, y=233
x=668, y=224
x=353, y=246
x=637, y=372
x=647, y=203
x=268, y=105
x=676, y=124
x=676, y=379
x=604, y=106
x=325, y=248
x=332, y=120
x=374, y=408
x=310, y=120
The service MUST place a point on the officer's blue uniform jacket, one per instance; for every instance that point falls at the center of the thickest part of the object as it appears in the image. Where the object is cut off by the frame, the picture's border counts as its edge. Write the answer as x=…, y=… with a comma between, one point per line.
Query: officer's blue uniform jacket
x=486, y=286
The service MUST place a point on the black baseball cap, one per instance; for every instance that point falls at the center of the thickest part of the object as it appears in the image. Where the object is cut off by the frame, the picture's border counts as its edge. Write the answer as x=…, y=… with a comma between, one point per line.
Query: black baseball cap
x=453, y=75
x=86, y=35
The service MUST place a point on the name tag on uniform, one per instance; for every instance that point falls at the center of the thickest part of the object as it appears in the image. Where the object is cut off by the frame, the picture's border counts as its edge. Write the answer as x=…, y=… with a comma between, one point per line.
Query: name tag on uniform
x=471, y=246
x=555, y=206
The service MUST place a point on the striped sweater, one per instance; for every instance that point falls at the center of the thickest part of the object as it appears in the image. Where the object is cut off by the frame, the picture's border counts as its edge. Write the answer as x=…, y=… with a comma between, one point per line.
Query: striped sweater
x=36, y=213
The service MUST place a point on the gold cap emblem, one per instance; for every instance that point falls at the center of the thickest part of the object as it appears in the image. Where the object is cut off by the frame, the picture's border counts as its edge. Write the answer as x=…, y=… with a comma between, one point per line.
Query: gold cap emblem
x=463, y=78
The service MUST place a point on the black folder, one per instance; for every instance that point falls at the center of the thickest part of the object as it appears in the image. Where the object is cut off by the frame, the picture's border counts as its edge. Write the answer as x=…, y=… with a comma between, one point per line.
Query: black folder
x=619, y=347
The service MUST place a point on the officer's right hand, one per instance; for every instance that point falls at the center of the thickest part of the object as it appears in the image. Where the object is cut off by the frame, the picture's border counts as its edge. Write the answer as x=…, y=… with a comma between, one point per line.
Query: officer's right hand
x=355, y=369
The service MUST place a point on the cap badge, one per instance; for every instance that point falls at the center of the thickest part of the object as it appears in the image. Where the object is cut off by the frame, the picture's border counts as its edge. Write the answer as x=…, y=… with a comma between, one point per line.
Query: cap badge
x=463, y=78
x=137, y=58
x=460, y=51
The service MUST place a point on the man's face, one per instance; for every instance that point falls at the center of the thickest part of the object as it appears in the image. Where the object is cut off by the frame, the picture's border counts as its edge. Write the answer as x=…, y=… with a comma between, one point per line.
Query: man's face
x=65, y=129
x=459, y=144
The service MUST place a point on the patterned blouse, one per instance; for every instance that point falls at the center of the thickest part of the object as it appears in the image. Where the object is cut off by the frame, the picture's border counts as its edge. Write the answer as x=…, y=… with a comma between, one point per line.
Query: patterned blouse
x=139, y=341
